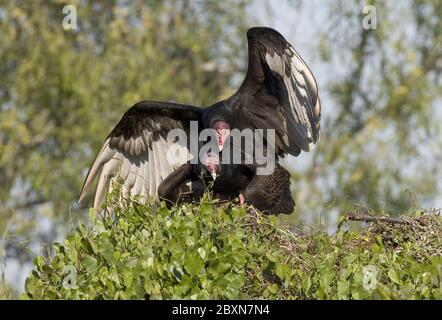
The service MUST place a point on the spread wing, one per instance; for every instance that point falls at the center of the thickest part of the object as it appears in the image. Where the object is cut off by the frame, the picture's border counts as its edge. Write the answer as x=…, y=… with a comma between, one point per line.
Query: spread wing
x=138, y=151
x=278, y=78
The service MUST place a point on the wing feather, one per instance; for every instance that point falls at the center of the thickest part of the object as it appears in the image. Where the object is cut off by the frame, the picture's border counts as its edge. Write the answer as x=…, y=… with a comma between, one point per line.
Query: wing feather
x=276, y=69
x=136, y=150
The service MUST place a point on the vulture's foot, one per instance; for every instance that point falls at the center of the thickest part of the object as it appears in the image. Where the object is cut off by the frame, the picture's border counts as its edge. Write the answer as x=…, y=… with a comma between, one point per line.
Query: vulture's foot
x=242, y=200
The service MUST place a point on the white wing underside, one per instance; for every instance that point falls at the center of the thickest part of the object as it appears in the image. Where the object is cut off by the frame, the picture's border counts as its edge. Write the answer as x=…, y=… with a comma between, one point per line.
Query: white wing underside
x=303, y=103
x=139, y=175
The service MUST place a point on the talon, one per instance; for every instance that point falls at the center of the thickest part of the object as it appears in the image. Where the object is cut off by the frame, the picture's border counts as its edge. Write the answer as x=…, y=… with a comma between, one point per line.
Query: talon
x=242, y=200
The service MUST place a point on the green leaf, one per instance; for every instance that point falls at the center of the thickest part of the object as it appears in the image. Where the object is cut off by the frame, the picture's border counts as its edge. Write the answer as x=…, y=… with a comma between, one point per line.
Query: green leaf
x=193, y=264
x=90, y=263
x=202, y=252
x=393, y=275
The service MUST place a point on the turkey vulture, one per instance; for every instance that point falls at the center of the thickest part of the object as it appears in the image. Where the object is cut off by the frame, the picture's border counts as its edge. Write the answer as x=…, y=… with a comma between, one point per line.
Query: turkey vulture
x=268, y=193
x=279, y=92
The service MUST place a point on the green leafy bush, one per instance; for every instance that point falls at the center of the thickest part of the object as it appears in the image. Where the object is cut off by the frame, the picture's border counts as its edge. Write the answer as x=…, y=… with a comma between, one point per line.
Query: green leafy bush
x=208, y=251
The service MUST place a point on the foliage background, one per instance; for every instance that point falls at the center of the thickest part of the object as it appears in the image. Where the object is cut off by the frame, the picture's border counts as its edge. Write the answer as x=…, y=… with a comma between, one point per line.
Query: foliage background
x=62, y=91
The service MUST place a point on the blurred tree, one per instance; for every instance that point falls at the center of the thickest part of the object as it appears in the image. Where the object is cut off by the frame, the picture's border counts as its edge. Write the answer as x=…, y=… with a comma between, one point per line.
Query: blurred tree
x=381, y=142
x=61, y=91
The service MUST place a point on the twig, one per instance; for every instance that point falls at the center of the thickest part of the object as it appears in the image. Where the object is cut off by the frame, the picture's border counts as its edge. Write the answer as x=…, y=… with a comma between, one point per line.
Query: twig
x=368, y=218
x=30, y=204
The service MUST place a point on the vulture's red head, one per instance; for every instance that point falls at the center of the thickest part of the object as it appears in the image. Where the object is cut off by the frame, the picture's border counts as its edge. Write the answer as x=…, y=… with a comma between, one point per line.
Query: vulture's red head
x=211, y=162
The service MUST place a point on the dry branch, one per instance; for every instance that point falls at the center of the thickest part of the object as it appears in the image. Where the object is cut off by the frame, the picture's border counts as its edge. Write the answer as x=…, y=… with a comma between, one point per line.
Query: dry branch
x=369, y=218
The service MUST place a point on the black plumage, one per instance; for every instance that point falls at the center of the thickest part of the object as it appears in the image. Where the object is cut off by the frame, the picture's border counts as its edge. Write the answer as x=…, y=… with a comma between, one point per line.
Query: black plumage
x=268, y=193
x=279, y=92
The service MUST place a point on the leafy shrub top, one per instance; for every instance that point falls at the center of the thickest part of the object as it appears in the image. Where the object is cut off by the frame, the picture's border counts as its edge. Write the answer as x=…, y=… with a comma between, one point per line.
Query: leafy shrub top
x=208, y=251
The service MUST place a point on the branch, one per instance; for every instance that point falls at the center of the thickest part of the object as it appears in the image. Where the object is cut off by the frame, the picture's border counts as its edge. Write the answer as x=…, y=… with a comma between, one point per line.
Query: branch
x=30, y=204
x=368, y=218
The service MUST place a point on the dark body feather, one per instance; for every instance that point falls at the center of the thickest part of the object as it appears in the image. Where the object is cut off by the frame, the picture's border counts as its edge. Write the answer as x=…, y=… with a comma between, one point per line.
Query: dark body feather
x=268, y=193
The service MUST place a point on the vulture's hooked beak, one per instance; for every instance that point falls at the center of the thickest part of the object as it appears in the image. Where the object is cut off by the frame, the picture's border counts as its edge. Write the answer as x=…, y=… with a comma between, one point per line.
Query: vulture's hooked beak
x=223, y=131
x=223, y=134
x=211, y=161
